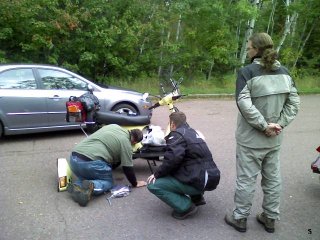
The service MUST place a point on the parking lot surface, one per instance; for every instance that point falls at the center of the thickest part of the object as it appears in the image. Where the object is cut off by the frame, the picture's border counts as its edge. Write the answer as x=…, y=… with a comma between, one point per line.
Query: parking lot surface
x=32, y=208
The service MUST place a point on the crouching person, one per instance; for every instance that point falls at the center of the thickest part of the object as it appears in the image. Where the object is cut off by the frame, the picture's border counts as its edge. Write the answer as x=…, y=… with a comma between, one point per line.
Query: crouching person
x=187, y=170
x=93, y=159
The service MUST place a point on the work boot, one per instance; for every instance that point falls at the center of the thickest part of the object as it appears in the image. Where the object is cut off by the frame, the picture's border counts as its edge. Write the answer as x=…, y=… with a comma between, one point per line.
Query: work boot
x=181, y=216
x=267, y=222
x=198, y=200
x=87, y=184
x=238, y=224
x=74, y=190
x=71, y=187
x=81, y=195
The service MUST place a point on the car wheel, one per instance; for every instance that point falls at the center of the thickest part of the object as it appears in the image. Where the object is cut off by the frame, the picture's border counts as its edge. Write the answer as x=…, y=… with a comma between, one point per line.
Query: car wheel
x=124, y=108
x=1, y=129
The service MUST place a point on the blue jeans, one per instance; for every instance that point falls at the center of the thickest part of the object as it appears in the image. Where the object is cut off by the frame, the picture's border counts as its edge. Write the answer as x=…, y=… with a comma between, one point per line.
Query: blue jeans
x=97, y=171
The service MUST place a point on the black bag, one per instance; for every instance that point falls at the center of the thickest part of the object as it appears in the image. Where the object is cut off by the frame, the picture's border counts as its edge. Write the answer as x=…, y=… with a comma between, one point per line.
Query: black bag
x=211, y=175
x=203, y=174
x=147, y=148
x=89, y=101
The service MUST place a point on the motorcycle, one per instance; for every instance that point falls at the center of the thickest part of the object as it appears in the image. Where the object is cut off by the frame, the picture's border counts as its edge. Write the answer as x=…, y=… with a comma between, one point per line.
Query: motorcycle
x=85, y=110
x=315, y=165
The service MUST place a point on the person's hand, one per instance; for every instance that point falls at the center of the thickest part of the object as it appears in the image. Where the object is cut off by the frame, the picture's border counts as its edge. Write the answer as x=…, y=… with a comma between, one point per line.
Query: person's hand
x=141, y=183
x=151, y=179
x=273, y=129
x=277, y=128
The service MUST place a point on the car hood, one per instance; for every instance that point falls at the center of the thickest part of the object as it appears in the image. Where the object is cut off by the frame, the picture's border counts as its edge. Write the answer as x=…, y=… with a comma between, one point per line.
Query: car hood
x=103, y=86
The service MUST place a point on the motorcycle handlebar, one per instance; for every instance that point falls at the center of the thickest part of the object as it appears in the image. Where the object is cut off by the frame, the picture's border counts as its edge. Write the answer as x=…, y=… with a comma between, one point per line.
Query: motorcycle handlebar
x=154, y=106
x=177, y=97
x=158, y=103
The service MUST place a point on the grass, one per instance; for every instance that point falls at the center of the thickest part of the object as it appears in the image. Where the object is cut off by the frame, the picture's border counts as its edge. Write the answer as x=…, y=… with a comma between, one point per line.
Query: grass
x=222, y=85
x=308, y=85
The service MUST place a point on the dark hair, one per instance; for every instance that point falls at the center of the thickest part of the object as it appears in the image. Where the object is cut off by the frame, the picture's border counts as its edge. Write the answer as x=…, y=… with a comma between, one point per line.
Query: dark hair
x=136, y=135
x=264, y=45
x=178, y=118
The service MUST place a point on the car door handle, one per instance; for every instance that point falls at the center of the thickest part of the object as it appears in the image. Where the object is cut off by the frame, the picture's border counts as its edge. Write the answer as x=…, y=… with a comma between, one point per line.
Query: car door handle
x=55, y=97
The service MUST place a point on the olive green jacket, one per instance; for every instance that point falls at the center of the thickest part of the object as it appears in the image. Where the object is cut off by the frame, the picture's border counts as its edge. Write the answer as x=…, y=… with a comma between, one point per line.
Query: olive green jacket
x=111, y=143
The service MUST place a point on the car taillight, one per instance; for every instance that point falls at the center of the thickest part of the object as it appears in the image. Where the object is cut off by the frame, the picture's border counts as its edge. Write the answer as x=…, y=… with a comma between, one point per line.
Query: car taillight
x=315, y=169
x=315, y=166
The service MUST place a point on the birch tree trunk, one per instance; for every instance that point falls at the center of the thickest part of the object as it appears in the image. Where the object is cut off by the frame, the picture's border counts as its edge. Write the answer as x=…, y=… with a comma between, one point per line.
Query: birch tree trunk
x=304, y=43
x=243, y=53
x=271, y=18
x=286, y=30
x=161, y=54
x=293, y=29
x=238, y=32
x=210, y=70
x=287, y=27
x=177, y=39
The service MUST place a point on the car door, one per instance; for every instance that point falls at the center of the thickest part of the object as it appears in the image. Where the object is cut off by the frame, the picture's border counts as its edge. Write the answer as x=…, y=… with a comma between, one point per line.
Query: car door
x=59, y=86
x=22, y=106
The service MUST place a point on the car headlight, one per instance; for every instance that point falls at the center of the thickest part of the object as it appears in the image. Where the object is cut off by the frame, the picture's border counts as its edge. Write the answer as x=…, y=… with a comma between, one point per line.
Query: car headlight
x=145, y=96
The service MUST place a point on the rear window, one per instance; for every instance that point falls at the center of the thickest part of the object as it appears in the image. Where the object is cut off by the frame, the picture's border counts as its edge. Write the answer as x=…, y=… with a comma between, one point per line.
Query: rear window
x=18, y=79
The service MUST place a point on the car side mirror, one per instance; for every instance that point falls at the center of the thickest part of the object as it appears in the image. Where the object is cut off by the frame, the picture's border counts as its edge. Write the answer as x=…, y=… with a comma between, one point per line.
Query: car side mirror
x=90, y=89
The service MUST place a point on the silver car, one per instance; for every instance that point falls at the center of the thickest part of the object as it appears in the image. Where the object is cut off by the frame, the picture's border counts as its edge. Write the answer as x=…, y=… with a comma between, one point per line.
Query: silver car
x=33, y=98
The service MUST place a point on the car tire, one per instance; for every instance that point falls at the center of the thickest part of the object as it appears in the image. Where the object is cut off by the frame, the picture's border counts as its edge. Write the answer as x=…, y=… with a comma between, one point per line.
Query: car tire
x=1, y=129
x=124, y=108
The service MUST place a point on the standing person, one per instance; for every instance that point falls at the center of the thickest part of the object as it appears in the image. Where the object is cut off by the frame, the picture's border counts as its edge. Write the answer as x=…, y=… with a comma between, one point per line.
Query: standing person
x=179, y=181
x=93, y=159
x=268, y=101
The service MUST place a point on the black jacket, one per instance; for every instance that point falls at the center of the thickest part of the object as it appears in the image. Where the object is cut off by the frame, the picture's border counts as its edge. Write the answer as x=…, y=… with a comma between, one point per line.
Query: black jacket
x=185, y=157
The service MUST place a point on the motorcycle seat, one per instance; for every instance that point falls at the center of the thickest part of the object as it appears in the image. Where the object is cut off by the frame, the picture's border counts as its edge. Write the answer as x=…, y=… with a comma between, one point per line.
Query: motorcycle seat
x=121, y=119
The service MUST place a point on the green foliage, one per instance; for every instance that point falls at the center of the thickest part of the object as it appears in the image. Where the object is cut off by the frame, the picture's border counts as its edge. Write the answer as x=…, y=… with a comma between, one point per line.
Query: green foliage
x=129, y=40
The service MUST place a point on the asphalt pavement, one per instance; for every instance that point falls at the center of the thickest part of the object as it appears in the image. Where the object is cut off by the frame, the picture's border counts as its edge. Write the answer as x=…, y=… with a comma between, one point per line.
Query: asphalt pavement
x=32, y=208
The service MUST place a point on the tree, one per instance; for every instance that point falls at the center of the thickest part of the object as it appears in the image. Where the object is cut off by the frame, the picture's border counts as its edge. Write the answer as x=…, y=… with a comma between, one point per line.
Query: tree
x=126, y=40
x=249, y=30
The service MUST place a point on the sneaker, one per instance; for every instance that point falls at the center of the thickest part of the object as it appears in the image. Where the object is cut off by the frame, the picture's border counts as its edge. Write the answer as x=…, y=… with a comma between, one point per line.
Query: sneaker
x=181, y=216
x=198, y=200
x=238, y=224
x=267, y=222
